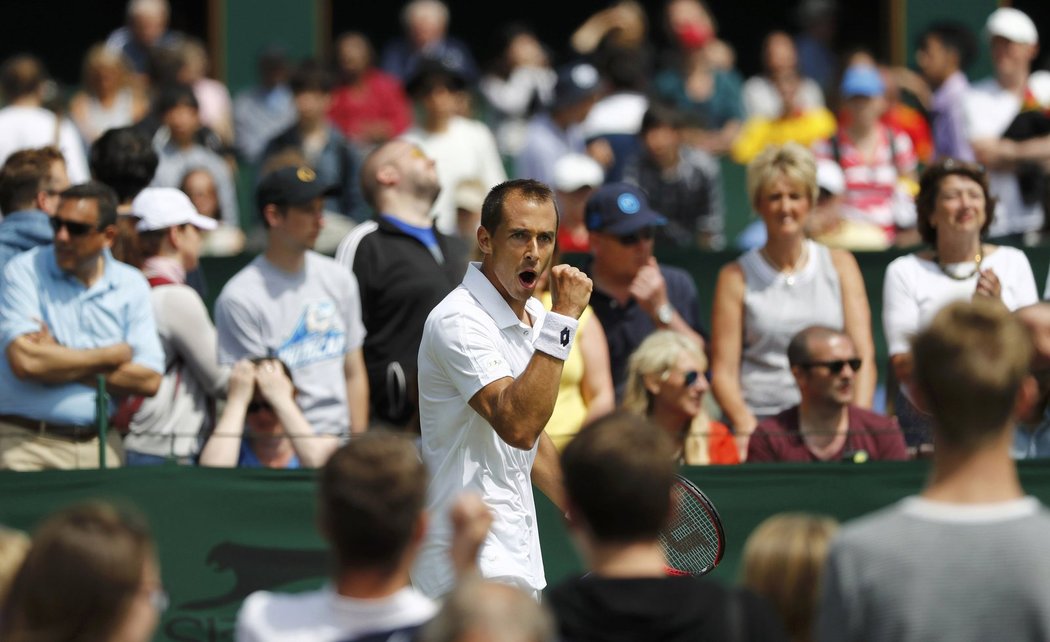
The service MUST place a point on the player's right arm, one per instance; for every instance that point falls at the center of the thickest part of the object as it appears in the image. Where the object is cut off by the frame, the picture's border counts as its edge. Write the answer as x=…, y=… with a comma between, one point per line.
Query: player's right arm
x=519, y=409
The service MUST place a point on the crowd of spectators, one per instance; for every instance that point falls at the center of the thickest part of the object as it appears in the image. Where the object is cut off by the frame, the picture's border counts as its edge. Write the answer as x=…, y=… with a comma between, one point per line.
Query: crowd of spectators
x=384, y=161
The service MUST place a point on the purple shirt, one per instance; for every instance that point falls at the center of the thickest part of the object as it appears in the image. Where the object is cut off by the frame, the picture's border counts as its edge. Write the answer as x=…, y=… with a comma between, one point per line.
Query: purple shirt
x=948, y=120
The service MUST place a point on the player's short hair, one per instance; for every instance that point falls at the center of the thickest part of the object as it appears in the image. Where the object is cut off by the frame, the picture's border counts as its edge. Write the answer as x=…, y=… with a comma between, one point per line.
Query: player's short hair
x=372, y=493
x=618, y=475
x=970, y=363
x=529, y=189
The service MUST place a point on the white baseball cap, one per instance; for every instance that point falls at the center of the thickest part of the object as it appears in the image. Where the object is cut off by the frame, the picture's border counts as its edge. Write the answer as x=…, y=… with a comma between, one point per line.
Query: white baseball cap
x=830, y=176
x=158, y=208
x=573, y=171
x=1012, y=24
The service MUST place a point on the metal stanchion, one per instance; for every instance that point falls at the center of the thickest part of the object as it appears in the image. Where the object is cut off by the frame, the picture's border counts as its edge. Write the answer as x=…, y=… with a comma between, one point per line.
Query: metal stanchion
x=101, y=420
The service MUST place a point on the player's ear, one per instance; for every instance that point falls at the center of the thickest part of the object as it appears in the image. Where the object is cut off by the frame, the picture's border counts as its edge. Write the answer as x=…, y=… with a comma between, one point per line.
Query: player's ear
x=484, y=240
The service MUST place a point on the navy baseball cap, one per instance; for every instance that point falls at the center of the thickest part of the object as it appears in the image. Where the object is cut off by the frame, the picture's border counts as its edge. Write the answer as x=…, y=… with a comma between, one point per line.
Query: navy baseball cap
x=620, y=209
x=291, y=186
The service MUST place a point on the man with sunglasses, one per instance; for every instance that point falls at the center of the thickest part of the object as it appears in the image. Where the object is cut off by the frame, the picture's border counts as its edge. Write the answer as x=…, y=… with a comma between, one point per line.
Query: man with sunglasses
x=825, y=426
x=633, y=294
x=69, y=312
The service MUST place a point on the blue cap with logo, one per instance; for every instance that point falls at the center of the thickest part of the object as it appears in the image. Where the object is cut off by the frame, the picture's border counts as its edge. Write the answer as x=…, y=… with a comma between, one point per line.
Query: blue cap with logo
x=619, y=209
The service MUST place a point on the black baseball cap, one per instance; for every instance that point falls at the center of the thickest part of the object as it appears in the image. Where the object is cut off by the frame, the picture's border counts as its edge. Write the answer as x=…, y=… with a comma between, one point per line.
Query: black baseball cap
x=619, y=209
x=293, y=185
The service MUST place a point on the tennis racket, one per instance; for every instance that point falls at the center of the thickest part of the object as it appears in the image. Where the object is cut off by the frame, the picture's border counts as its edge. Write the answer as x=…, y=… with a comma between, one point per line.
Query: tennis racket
x=693, y=540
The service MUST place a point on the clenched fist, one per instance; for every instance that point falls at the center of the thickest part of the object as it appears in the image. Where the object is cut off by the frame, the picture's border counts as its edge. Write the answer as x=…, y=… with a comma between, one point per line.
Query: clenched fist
x=649, y=288
x=570, y=291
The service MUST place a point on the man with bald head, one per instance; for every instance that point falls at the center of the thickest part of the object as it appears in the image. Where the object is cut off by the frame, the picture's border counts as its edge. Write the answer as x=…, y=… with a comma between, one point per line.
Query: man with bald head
x=404, y=267
x=1032, y=432
x=825, y=426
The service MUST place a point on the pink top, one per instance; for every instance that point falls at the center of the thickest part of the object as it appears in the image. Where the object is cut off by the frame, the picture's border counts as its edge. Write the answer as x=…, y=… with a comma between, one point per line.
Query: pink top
x=378, y=100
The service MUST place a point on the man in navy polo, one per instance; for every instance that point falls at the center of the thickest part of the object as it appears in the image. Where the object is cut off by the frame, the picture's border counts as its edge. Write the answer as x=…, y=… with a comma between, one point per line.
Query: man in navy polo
x=70, y=312
x=633, y=294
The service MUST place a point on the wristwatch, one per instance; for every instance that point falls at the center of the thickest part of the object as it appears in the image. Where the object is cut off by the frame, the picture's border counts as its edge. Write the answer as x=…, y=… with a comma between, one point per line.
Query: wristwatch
x=665, y=313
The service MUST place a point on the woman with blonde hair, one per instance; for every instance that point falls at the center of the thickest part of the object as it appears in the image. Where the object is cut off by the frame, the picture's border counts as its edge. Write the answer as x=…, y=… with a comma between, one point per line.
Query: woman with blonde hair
x=666, y=383
x=107, y=99
x=771, y=293
x=783, y=562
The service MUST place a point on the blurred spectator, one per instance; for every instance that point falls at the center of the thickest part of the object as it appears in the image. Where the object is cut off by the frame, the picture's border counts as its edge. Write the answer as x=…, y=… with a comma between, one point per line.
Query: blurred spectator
x=585, y=391
x=992, y=107
x=326, y=150
x=147, y=28
x=783, y=561
x=825, y=425
x=470, y=199
x=666, y=384
x=25, y=123
x=623, y=24
x=971, y=522
x=616, y=119
x=370, y=514
x=633, y=294
x=519, y=83
x=464, y=149
x=780, y=63
x=576, y=176
x=902, y=117
x=261, y=426
x=818, y=24
x=479, y=610
x=265, y=110
x=368, y=105
x=171, y=424
x=618, y=474
x=30, y=183
x=1032, y=432
x=404, y=267
x=709, y=94
x=770, y=293
x=945, y=51
x=827, y=225
x=107, y=98
x=557, y=132
x=124, y=160
x=178, y=149
x=13, y=548
x=879, y=163
x=110, y=587
x=216, y=110
x=691, y=27
x=200, y=187
x=426, y=37
x=58, y=340
x=683, y=183
x=296, y=305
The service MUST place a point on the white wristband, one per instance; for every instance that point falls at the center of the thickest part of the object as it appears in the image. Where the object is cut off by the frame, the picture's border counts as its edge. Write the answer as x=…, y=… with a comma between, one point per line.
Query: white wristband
x=556, y=335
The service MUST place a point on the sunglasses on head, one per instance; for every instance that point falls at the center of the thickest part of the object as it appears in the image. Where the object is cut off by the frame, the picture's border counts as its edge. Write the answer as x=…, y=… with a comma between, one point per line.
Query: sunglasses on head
x=74, y=228
x=644, y=234
x=836, y=366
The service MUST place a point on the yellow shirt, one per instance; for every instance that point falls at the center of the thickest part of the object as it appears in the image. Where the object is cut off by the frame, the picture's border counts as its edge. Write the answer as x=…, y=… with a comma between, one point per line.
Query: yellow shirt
x=570, y=410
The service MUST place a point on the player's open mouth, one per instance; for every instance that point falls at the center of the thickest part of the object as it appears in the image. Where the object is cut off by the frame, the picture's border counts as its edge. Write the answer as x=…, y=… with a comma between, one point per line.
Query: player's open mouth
x=527, y=278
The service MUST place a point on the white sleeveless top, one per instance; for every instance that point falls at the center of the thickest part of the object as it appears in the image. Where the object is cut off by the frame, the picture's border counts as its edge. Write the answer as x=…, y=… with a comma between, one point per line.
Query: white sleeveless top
x=776, y=307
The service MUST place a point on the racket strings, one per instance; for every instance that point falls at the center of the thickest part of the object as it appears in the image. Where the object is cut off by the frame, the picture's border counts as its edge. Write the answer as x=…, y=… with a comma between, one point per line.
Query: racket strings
x=691, y=541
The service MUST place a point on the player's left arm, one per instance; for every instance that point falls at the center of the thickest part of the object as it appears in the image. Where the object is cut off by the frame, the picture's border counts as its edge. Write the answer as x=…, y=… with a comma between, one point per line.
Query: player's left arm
x=546, y=472
x=356, y=390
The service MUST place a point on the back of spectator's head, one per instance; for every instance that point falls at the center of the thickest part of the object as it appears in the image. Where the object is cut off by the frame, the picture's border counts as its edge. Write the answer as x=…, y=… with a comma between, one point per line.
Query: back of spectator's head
x=22, y=75
x=99, y=192
x=124, y=159
x=956, y=37
x=26, y=174
x=479, y=610
x=311, y=76
x=89, y=575
x=790, y=161
x=372, y=493
x=783, y=562
x=618, y=474
x=971, y=363
x=624, y=69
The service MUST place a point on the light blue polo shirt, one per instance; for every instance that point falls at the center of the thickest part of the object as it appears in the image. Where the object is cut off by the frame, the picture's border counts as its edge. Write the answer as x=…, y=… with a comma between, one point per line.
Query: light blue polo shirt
x=116, y=309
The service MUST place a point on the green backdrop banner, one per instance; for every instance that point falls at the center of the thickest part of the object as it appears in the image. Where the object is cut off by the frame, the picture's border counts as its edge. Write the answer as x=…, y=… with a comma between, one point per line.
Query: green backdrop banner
x=225, y=533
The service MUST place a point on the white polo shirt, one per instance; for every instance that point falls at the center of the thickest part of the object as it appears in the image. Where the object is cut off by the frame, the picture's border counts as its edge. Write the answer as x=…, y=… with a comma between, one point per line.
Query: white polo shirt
x=471, y=339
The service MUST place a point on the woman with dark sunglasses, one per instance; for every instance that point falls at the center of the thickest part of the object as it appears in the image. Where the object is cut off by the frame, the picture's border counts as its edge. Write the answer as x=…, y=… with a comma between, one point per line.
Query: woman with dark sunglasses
x=955, y=210
x=666, y=383
x=262, y=426
x=769, y=294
